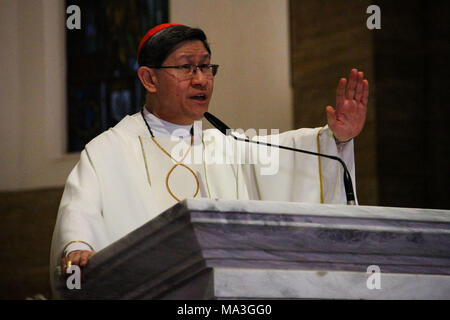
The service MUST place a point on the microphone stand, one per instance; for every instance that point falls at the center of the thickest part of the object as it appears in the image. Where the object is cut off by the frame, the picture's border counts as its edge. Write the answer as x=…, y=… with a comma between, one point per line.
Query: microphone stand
x=222, y=127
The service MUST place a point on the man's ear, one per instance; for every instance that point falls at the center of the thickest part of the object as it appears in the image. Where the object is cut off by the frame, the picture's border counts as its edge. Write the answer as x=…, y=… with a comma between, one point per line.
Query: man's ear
x=148, y=78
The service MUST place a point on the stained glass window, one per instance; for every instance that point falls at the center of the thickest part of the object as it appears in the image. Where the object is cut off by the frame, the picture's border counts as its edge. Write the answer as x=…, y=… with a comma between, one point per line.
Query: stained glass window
x=102, y=84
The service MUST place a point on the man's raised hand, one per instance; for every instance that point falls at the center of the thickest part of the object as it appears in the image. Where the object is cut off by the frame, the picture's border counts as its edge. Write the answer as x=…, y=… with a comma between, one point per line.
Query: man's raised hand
x=347, y=120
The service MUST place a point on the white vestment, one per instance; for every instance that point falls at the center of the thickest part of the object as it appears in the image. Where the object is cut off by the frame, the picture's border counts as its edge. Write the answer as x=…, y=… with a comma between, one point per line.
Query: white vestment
x=121, y=180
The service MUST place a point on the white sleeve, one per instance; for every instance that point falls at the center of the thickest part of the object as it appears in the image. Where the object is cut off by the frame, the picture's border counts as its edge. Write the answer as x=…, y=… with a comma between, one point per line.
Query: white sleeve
x=80, y=213
x=76, y=246
x=332, y=171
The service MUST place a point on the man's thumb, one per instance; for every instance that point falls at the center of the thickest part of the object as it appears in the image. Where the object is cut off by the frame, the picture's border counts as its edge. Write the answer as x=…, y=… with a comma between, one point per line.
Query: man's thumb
x=331, y=115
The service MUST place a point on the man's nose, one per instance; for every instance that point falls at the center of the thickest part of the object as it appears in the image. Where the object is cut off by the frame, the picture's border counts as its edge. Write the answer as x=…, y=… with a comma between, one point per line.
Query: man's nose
x=198, y=77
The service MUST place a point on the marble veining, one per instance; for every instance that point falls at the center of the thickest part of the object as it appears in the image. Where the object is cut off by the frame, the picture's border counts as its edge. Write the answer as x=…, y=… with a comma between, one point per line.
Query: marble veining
x=205, y=249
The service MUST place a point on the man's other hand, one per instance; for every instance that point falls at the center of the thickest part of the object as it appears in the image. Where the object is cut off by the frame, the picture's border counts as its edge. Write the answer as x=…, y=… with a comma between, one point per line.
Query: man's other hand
x=77, y=257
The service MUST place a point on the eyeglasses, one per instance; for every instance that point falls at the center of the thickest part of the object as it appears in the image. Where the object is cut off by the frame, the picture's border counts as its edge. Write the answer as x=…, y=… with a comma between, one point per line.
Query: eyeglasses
x=187, y=71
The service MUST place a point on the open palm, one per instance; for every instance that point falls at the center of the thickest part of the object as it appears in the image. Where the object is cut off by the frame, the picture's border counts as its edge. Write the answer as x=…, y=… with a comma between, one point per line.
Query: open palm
x=347, y=120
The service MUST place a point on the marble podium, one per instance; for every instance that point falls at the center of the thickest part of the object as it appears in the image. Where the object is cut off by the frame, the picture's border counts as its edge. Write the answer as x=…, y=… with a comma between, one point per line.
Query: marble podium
x=218, y=249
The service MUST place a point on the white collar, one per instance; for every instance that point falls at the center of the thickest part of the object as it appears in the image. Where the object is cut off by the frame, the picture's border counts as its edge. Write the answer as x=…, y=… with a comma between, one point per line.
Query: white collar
x=164, y=128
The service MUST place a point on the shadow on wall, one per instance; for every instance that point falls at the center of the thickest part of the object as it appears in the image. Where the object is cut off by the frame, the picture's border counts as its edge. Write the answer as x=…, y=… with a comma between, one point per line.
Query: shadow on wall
x=27, y=219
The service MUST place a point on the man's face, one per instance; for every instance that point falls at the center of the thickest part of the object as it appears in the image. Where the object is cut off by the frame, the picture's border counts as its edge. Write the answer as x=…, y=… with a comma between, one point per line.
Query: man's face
x=183, y=101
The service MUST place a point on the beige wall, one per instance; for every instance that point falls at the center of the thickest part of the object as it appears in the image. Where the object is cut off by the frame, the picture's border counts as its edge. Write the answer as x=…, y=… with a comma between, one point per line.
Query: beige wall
x=252, y=89
x=250, y=41
x=32, y=96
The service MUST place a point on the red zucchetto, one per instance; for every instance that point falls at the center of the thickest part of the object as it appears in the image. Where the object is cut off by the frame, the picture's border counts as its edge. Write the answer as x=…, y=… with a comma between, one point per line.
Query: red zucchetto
x=151, y=32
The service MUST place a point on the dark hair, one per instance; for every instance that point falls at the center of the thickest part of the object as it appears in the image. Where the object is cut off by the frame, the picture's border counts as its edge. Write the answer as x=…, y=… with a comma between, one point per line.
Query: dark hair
x=161, y=45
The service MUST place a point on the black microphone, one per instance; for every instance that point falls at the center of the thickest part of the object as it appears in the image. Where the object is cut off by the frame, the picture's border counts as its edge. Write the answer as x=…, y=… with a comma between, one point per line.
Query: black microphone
x=222, y=127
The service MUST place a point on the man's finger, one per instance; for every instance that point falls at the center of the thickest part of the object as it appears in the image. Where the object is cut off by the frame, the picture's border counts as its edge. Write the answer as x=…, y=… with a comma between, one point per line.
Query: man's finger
x=340, y=92
x=365, y=97
x=359, y=87
x=85, y=255
x=351, y=86
x=331, y=116
x=74, y=257
x=63, y=265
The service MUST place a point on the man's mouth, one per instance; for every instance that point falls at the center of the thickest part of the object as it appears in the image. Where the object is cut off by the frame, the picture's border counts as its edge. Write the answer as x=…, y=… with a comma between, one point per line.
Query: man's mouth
x=199, y=97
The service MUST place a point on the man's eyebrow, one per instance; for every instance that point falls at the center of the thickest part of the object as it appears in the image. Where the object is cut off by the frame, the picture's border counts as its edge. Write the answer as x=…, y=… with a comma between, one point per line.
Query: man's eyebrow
x=205, y=56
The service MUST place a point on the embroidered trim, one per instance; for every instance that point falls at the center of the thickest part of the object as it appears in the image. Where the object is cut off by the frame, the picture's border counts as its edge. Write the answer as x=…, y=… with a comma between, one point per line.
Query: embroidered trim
x=204, y=167
x=178, y=163
x=145, y=161
x=320, y=165
x=76, y=241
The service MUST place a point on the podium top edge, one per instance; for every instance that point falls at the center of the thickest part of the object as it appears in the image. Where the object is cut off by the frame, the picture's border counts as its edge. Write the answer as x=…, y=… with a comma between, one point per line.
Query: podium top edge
x=311, y=209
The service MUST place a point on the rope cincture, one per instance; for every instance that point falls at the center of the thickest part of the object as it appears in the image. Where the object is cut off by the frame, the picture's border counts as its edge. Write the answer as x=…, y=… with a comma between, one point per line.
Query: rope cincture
x=177, y=163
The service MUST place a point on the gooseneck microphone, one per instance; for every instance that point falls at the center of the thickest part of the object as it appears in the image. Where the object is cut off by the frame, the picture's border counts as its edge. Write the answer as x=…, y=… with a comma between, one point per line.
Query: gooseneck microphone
x=222, y=127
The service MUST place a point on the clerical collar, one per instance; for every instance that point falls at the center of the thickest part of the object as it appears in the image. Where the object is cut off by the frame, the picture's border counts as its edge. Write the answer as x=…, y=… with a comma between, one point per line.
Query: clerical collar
x=161, y=128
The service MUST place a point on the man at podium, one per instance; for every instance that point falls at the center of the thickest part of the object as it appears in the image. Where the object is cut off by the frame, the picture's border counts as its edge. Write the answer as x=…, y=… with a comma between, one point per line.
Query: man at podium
x=151, y=160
